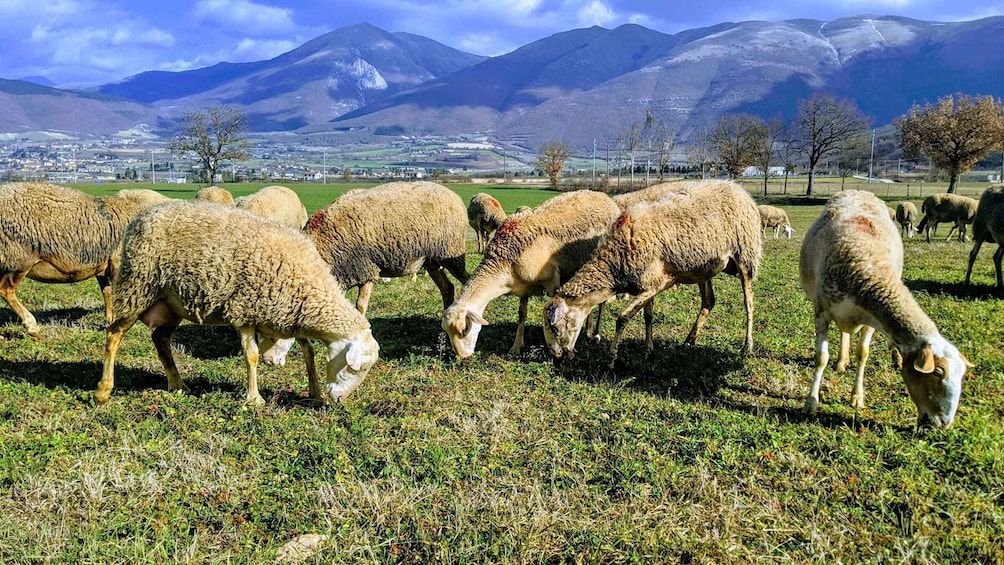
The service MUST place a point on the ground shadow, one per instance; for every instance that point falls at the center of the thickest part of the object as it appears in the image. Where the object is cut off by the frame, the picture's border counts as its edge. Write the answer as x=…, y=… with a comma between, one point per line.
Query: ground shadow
x=409, y=335
x=62, y=316
x=208, y=342
x=976, y=292
x=84, y=376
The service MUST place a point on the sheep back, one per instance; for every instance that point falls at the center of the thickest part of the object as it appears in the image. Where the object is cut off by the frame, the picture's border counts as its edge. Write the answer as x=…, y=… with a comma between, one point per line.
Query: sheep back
x=215, y=194
x=389, y=230
x=651, y=193
x=277, y=203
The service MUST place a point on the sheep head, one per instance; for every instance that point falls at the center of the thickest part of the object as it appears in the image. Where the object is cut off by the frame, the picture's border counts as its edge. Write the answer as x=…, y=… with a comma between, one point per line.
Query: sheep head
x=463, y=324
x=348, y=362
x=933, y=375
x=562, y=324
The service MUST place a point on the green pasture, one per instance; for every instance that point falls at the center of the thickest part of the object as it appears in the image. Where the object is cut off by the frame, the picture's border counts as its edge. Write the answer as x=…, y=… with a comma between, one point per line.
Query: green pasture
x=690, y=455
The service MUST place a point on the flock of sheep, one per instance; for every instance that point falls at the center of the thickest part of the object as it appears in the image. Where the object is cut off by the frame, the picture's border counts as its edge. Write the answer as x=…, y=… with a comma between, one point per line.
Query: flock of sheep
x=260, y=265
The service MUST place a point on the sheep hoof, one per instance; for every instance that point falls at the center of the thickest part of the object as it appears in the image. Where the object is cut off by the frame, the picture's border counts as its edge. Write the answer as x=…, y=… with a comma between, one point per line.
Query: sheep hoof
x=515, y=350
x=858, y=401
x=811, y=405
x=102, y=396
x=256, y=400
x=841, y=367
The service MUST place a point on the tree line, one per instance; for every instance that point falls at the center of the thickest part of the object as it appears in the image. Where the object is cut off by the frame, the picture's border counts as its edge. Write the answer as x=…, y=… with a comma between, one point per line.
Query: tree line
x=954, y=134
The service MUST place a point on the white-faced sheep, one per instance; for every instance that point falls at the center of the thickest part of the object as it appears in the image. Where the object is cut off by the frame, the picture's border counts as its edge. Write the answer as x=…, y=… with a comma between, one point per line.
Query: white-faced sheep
x=851, y=267
x=988, y=227
x=215, y=194
x=940, y=208
x=906, y=217
x=532, y=252
x=485, y=215
x=54, y=234
x=687, y=237
x=774, y=218
x=276, y=203
x=219, y=265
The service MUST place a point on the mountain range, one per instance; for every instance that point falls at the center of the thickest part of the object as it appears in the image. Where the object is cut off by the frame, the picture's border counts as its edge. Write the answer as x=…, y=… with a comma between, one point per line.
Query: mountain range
x=584, y=84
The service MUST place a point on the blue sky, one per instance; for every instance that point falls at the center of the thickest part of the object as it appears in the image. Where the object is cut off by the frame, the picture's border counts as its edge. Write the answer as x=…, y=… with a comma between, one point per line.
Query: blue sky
x=78, y=42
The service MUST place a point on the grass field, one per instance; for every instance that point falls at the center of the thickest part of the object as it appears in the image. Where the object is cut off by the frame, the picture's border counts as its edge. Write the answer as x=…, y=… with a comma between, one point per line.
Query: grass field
x=693, y=455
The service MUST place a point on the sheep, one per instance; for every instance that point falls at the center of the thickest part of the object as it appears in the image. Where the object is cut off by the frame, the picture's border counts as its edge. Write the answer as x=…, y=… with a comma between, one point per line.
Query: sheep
x=851, y=267
x=938, y=208
x=215, y=194
x=276, y=203
x=532, y=252
x=219, y=265
x=906, y=216
x=687, y=237
x=53, y=234
x=393, y=230
x=988, y=226
x=649, y=194
x=521, y=209
x=485, y=215
x=775, y=218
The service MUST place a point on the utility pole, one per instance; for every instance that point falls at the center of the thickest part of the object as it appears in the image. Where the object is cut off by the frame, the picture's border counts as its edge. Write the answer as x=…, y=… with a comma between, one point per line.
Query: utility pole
x=871, y=159
x=505, y=175
x=594, y=162
x=153, y=168
x=324, y=166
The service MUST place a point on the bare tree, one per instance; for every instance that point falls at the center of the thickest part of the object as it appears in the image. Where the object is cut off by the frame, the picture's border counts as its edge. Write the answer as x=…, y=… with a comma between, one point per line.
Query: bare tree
x=553, y=155
x=700, y=154
x=765, y=137
x=215, y=135
x=850, y=154
x=732, y=141
x=955, y=133
x=822, y=124
x=632, y=140
x=665, y=144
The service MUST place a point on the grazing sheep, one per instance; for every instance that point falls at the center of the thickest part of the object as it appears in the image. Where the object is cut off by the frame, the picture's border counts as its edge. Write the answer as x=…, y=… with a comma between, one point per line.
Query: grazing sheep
x=687, y=237
x=906, y=216
x=851, y=267
x=485, y=215
x=521, y=209
x=276, y=203
x=989, y=227
x=393, y=230
x=54, y=234
x=532, y=252
x=775, y=218
x=215, y=194
x=219, y=265
x=650, y=194
x=939, y=208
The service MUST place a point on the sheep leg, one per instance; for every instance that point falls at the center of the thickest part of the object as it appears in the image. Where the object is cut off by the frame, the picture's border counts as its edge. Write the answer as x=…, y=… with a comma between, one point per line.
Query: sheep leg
x=972, y=259
x=250, y=347
x=747, y=283
x=593, y=329
x=822, y=358
x=517, y=344
x=308, y=359
x=113, y=338
x=951, y=231
x=481, y=241
x=707, y=303
x=649, y=311
x=363, y=299
x=998, y=255
x=105, y=283
x=844, y=357
x=161, y=338
x=858, y=395
x=8, y=290
x=625, y=316
x=439, y=277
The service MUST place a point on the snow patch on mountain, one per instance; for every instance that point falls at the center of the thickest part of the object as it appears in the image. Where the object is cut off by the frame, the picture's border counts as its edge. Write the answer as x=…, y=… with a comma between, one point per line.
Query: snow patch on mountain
x=367, y=76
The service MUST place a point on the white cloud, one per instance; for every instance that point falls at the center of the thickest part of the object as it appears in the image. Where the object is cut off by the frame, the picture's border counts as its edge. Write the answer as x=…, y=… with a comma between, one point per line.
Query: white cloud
x=596, y=13
x=247, y=16
x=249, y=49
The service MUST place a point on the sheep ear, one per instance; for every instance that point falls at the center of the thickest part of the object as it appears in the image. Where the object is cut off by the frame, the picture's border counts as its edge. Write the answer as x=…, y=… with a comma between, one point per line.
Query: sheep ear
x=354, y=356
x=924, y=363
x=475, y=317
x=556, y=312
x=966, y=361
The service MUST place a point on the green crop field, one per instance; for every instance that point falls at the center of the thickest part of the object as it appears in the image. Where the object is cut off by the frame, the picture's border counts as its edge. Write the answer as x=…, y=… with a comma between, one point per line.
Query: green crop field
x=690, y=455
